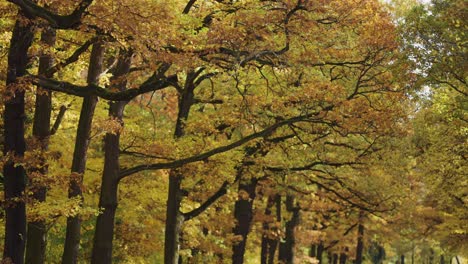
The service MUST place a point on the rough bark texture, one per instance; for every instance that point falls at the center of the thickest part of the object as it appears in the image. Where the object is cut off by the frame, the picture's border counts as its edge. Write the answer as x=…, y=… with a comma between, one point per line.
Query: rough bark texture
x=14, y=143
x=104, y=233
x=72, y=238
x=286, y=253
x=243, y=213
x=37, y=233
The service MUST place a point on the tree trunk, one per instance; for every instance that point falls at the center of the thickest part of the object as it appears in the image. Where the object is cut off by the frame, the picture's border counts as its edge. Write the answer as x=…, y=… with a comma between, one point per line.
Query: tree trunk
x=266, y=229
x=412, y=256
x=313, y=251
x=343, y=258
x=72, y=238
x=431, y=256
x=320, y=249
x=269, y=244
x=335, y=259
x=14, y=143
x=37, y=233
x=174, y=217
x=402, y=259
x=243, y=213
x=360, y=239
x=104, y=232
x=287, y=248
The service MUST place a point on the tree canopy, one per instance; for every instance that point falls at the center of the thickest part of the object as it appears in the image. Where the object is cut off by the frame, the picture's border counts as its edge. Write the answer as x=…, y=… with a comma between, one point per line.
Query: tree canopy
x=142, y=131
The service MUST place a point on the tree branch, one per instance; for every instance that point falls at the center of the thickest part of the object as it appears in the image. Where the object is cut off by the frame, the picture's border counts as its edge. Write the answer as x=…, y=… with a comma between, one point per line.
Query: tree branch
x=72, y=20
x=58, y=120
x=73, y=58
x=312, y=165
x=199, y=157
x=197, y=211
x=152, y=84
x=345, y=199
x=142, y=155
x=188, y=6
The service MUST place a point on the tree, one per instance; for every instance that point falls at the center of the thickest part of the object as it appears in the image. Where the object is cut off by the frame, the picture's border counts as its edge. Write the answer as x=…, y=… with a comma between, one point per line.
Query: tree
x=435, y=42
x=303, y=95
x=14, y=143
x=37, y=233
x=434, y=39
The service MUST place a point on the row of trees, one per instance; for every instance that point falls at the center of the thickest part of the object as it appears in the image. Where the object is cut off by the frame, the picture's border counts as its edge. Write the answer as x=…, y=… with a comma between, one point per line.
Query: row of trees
x=217, y=131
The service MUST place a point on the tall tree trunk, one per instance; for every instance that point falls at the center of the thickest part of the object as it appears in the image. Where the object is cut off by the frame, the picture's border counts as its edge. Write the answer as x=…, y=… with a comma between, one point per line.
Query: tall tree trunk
x=360, y=239
x=343, y=258
x=37, y=233
x=313, y=251
x=104, y=232
x=14, y=143
x=431, y=256
x=287, y=248
x=270, y=244
x=72, y=239
x=174, y=217
x=402, y=259
x=335, y=259
x=320, y=249
x=243, y=213
x=412, y=256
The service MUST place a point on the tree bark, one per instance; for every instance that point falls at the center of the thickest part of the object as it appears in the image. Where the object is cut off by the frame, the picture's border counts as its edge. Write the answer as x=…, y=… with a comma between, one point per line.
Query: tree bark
x=14, y=142
x=104, y=232
x=174, y=217
x=320, y=249
x=243, y=213
x=72, y=239
x=360, y=239
x=37, y=233
x=287, y=248
x=269, y=244
x=313, y=251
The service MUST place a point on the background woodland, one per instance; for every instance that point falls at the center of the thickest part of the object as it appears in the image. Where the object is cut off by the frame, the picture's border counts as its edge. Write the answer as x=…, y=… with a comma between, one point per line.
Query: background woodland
x=253, y=131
